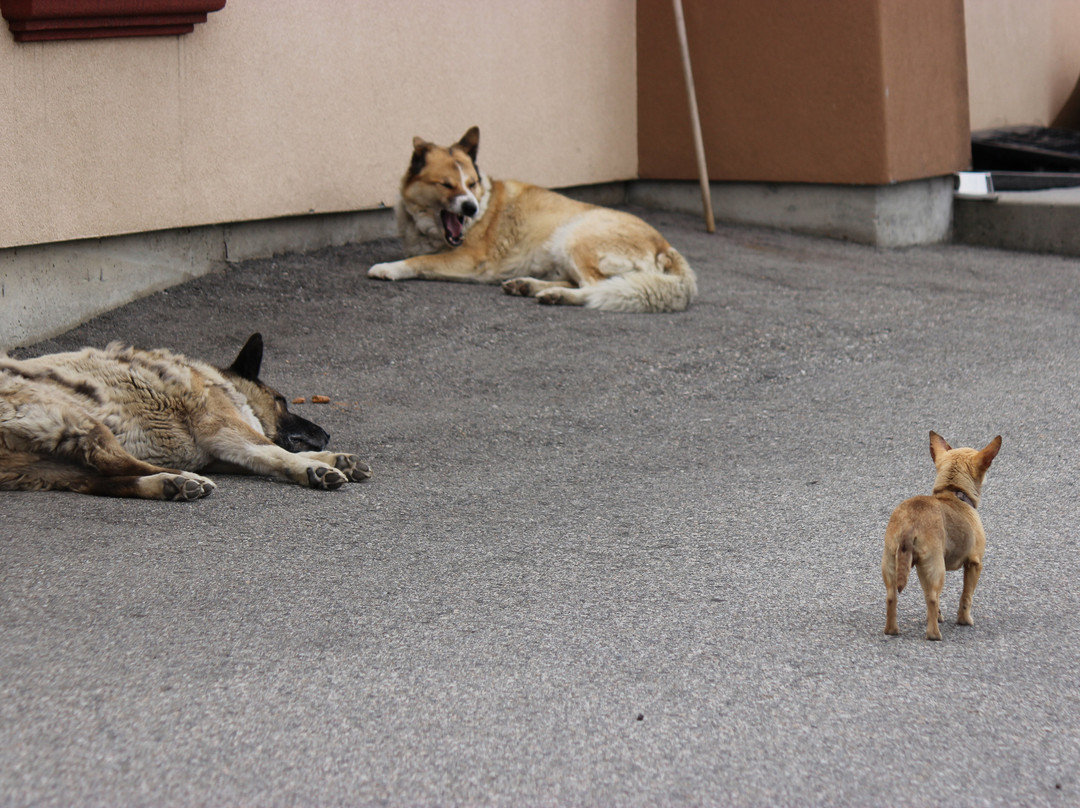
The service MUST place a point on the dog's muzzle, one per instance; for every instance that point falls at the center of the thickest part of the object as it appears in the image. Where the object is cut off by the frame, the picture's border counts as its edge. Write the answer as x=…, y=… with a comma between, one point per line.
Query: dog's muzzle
x=297, y=434
x=454, y=223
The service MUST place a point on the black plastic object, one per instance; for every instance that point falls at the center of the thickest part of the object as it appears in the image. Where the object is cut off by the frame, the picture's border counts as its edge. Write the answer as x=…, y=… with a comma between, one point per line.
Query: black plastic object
x=1026, y=148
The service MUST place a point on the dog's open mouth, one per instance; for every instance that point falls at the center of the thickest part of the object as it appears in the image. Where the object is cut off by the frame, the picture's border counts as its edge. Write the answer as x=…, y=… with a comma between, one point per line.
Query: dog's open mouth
x=452, y=228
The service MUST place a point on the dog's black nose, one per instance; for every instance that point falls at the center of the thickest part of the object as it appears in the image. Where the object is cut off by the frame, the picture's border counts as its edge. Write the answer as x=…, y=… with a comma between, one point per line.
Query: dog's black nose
x=468, y=208
x=296, y=434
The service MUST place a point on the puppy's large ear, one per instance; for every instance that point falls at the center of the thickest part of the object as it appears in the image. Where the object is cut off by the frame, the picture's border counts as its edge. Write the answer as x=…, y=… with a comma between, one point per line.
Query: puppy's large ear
x=987, y=455
x=419, y=156
x=249, y=360
x=938, y=446
x=470, y=143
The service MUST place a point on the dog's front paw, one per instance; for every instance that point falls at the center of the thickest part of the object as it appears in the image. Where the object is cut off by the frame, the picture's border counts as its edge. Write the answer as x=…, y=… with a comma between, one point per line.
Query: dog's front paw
x=391, y=271
x=325, y=478
x=352, y=467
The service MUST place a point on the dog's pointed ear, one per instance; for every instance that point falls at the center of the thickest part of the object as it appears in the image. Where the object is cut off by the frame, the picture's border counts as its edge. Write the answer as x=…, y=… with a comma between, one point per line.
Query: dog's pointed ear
x=249, y=360
x=421, y=148
x=938, y=446
x=987, y=455
x=470, y=143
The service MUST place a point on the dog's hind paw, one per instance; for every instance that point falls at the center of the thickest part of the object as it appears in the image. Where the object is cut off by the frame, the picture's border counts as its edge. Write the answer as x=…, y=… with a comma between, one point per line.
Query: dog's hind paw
x=518, y=286
x=558, y=295
x=325, y=478
x=352, y=467
x=184, y=488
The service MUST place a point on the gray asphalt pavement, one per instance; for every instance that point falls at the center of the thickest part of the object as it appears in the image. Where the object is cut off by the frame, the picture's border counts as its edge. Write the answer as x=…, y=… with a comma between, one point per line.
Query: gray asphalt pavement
x=604, y=560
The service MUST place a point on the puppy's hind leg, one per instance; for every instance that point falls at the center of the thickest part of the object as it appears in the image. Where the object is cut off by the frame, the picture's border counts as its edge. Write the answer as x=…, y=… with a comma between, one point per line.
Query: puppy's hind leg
x=892, y=596
x=972, y=570
x=932, y=578
x=895, y=567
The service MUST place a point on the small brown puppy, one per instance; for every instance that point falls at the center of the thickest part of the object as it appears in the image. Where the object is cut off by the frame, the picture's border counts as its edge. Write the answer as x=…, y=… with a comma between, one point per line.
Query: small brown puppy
x=937, y=533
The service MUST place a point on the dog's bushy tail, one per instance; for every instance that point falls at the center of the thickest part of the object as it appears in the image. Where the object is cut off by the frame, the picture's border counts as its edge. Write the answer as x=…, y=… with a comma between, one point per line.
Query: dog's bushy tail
x=903, y=561
x=669, y=287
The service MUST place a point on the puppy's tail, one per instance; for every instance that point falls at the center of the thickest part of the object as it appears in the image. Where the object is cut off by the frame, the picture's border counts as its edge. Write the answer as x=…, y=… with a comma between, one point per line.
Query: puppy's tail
x=670, y=285
x=904, y=555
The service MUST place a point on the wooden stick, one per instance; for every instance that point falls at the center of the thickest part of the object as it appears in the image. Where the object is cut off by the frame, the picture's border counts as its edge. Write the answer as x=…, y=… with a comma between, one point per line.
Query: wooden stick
x=695, y=120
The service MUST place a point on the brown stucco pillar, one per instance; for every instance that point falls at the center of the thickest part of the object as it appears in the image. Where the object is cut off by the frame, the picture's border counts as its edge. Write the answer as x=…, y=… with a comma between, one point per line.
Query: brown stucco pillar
x=865, y=92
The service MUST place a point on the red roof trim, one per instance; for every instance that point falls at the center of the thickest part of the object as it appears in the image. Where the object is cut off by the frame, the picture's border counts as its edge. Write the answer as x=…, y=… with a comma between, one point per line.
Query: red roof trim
x=38, y=20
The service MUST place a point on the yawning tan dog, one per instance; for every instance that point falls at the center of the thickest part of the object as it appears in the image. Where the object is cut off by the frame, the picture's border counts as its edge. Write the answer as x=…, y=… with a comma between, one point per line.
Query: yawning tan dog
x=457, y=224
x=938, y=533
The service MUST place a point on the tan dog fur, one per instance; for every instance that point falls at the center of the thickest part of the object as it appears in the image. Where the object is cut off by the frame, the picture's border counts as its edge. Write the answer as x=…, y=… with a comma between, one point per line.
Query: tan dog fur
x=938, y=533
x=458, y=225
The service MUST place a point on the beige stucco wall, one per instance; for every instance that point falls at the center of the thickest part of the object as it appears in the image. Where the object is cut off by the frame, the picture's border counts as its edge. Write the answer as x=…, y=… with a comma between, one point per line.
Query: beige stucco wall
x=275, y=107
x=1023, y=60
